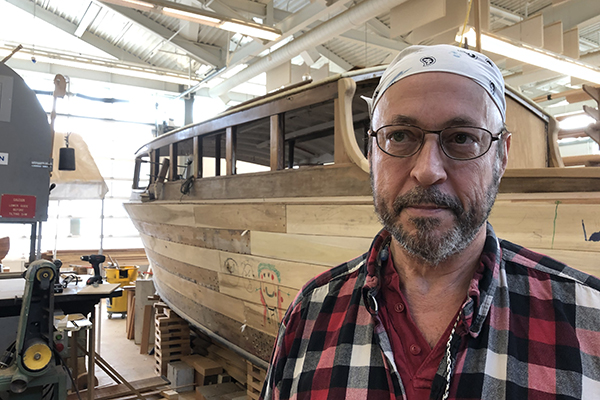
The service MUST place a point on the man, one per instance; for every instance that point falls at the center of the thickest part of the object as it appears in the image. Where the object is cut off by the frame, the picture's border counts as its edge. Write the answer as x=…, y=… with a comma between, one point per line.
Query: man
x=439, y=307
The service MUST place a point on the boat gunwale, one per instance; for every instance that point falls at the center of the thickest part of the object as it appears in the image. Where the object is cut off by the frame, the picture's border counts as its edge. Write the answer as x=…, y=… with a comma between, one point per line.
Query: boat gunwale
x=195, y=130
x=264, y=108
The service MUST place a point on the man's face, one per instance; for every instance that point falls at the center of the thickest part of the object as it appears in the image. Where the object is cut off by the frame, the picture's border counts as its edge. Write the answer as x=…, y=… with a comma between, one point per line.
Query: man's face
x=435, y=206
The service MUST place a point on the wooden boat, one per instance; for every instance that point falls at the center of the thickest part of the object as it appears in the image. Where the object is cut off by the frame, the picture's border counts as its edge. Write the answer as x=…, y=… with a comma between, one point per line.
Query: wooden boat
x=230, y=252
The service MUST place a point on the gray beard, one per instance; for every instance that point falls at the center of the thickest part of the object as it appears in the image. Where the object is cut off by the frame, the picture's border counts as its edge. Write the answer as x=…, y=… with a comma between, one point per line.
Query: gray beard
x=425, y=245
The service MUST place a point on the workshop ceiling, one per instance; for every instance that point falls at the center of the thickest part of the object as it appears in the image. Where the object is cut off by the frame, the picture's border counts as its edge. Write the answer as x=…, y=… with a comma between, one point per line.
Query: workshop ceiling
x=202, y=55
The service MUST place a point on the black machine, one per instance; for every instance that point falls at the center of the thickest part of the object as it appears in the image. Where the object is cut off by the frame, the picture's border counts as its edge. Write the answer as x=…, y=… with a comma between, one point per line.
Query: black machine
x=95, y=260
x=29, y=369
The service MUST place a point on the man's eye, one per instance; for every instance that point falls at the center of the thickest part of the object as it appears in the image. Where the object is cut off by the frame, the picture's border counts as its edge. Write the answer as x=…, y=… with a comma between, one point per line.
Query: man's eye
x=401, y=136
x=461, y=138
x=398, y=136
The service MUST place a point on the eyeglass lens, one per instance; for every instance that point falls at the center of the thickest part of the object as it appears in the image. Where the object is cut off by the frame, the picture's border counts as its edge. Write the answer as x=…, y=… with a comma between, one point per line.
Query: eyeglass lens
x=457, y=142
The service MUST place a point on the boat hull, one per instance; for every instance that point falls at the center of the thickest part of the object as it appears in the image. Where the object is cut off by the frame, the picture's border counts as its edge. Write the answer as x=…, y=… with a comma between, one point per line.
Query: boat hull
x=233, y=265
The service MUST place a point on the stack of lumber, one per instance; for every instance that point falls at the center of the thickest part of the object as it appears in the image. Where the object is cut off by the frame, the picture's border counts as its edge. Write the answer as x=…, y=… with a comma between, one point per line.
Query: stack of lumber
x=130, y=323
x=207, y=371
x=117, y=391
x=232, y=363
x=256, y=379
x=172, y=338
x=120, y=256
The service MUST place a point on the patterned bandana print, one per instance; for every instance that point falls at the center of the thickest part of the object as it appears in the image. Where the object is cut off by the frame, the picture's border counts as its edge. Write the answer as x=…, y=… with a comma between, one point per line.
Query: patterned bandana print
x=443, y=58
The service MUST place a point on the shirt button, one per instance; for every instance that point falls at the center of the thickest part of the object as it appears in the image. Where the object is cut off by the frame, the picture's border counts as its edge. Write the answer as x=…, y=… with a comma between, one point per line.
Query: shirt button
x=399, y=307
x=415, y=350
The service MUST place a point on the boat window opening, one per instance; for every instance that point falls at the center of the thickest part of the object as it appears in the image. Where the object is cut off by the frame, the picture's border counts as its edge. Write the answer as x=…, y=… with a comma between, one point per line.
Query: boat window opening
x=309, y=135
x=143, y=173
x=182, y=165
x=252, y=146
x=211, y=154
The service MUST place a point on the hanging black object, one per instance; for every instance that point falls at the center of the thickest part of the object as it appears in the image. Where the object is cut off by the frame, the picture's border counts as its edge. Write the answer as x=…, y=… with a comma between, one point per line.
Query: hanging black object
x=66, y=156
x=66, y=159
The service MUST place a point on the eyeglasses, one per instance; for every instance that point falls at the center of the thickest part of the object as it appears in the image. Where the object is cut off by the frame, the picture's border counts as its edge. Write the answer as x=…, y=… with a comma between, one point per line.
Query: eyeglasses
x=457, y=142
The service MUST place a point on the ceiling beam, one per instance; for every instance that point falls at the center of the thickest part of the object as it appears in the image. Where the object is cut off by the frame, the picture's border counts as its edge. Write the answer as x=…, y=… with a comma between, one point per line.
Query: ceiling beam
x=289, y=26
x=221, y=9
x=252, y=7
x=84, y=73
x=331, y=56
x=572, y=13
x=204, y=54
x=373, y=40
x=545, y=74
x=70, y=28
x=379, y=27
x=346, y=20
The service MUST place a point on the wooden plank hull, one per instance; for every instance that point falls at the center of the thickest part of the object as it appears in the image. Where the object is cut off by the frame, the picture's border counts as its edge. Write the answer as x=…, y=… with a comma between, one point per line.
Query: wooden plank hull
x=231, y=252
x=234, y=265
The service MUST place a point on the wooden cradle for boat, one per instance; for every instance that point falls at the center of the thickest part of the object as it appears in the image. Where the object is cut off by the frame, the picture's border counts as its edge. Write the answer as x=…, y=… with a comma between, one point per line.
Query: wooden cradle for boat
x=230, y=252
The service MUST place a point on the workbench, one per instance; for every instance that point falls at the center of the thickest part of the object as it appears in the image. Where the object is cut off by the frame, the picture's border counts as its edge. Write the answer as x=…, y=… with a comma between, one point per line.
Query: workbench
x=70, y=301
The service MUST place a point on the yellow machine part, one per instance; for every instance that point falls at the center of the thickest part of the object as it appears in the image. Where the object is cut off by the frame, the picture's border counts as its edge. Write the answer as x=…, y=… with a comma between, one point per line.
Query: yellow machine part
x=37, y=356
x=45, y=273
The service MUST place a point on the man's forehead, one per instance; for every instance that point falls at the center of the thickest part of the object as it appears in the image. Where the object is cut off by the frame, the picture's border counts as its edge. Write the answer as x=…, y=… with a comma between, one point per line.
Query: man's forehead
x=459, y=120
x=458, y=100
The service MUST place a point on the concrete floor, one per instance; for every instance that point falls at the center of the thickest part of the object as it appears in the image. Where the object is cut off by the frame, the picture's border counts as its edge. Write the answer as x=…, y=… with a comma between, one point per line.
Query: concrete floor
x=124, y=355
x=121, y=353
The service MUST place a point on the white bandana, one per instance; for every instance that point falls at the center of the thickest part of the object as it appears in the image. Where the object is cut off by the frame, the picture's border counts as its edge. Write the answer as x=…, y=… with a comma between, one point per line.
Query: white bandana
x=443, y=58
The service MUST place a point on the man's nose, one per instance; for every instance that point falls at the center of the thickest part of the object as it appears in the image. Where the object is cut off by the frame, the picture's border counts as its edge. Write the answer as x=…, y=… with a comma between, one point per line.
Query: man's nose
x=428, y=168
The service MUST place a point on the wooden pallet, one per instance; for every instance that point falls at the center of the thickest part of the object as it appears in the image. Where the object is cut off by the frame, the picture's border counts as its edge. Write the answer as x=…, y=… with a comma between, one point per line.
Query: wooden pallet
x=172, y=338
x=256, y=379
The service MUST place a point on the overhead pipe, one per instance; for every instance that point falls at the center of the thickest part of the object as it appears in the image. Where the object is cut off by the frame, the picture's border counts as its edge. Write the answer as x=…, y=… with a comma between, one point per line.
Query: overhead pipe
x=339, y=24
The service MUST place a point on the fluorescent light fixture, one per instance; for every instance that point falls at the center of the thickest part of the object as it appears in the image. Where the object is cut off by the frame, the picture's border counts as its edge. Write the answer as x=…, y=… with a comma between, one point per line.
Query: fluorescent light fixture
x=534, y=56
x=249, y=30
x=199, y=16
x=88, y=17
x=137, y=4
x=190, y=16
x=580, y=121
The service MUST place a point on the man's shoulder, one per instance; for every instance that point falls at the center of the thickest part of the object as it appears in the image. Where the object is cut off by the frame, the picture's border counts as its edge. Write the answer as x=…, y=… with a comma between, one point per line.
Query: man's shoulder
x=347, y=273
x=520, y=258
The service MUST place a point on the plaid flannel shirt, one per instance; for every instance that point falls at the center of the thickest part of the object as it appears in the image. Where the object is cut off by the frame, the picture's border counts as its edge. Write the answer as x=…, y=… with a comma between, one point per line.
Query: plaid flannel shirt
x=530, y=330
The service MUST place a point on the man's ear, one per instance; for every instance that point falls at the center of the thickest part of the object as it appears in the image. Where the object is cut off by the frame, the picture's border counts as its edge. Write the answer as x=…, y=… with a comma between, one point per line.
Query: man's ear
x=506, y=143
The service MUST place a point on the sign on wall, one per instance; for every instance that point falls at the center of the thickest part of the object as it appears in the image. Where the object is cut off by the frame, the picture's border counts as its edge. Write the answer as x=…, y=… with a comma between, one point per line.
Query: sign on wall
x=17, y=206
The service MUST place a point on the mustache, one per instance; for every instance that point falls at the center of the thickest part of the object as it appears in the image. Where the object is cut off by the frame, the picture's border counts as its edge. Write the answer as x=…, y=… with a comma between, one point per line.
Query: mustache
x=431, y=195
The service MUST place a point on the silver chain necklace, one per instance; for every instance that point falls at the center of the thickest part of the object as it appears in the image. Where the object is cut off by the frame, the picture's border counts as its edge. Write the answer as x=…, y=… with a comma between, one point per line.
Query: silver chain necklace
x=449, y=359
